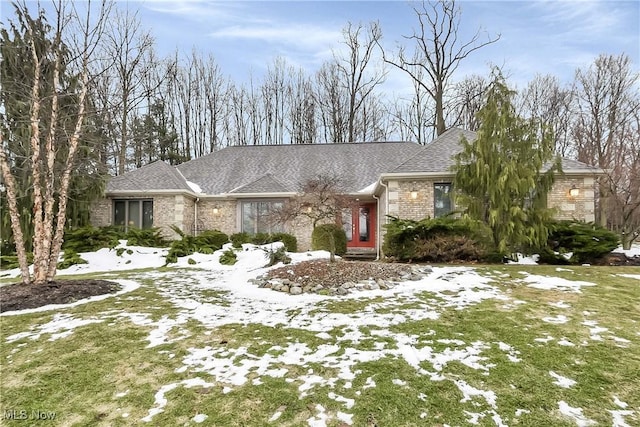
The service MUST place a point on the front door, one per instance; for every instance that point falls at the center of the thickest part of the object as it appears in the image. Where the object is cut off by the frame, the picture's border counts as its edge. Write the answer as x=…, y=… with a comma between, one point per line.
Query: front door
x=359, y=225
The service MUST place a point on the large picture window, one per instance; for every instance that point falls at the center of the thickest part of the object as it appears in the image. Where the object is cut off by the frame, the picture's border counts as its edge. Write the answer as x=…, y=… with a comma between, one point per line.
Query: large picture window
x=257, y=217
x=136, y=213
x=442, y=199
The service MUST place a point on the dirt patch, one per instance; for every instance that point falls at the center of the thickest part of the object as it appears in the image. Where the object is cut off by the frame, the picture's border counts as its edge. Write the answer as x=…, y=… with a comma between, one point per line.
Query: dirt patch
x=332, y=274
x=19, y=296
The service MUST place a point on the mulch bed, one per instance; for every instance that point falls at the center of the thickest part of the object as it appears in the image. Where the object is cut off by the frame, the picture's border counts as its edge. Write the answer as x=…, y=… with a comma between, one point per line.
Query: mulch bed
x=331, y=274
x=18, y=296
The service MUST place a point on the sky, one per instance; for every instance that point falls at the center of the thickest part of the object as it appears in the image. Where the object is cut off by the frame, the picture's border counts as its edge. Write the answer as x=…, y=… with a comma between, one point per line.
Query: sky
x=536, y=37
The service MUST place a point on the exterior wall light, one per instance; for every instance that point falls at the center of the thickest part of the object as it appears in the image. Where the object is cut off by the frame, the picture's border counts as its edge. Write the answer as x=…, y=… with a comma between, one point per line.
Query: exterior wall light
x=216, y=210
x=414, y=191
x=574, y=192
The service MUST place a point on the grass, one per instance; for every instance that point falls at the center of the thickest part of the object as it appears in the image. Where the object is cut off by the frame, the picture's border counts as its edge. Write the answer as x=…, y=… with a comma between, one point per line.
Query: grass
x=254, y=362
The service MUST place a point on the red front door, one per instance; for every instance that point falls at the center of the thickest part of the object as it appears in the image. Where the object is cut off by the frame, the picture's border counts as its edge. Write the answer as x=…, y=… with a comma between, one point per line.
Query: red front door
x=359, y=224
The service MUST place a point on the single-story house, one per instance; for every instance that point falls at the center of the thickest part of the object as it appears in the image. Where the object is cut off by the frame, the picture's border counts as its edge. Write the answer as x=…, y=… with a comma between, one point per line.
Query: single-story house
x=234, y=189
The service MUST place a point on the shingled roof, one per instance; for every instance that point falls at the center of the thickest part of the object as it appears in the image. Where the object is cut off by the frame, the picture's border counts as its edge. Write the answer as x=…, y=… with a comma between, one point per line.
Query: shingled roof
x=259, y=169
x=154, y=176
x=438, y=157
x=283, y=168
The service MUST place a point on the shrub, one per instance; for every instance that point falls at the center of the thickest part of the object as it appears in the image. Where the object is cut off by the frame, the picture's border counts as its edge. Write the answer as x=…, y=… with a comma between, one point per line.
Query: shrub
x=208, y=241
x=70, y=258
x=9, y=262
x=191, y=261
x=213, y=239
x=228, y=257
x=321, y=238
x=90, y=239
x=238, y=239
x=148, y=237
x=437, y=240
x=289, y=240
x=275, y=256
x=261, y=239
x=587, y=241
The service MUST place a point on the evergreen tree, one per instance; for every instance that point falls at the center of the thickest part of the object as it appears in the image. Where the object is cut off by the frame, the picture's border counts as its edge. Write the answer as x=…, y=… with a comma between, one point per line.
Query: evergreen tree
x=503, y=177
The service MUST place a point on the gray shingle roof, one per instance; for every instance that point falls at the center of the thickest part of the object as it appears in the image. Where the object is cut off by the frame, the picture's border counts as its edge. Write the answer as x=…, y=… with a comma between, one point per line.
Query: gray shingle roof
x=246, y=169
x=154, y=176
x=284, y=168
x=265, y=184
x=438, y=155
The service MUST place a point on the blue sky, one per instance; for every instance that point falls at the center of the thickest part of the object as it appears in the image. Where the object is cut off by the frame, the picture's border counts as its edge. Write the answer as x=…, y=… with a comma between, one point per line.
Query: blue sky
x=537, y=36
x=543, y=37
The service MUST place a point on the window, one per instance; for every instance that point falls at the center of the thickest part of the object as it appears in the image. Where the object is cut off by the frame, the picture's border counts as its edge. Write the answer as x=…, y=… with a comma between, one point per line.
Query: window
x=442, y=203
x=133, y=213
x=257, y=217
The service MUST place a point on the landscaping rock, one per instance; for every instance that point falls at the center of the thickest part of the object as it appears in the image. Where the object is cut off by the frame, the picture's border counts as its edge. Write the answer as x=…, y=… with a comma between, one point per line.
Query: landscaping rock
x=295, y=290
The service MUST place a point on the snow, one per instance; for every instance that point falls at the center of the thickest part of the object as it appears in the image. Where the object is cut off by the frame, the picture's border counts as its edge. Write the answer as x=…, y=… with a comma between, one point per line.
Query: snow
x=228, y=368
x=526, y=259
x=196, y=189
x=630, y=253
x=575, y=414
x=561, y=381
x=369, y=188
x=554, y=283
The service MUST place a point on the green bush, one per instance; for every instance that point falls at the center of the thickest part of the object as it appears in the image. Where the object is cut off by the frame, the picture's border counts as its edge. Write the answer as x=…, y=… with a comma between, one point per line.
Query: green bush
x=321, y=238
x=148, y=237
x=289, y=240
x=90, y=239
x=587, y=241
x=443, y=239
x=70, y=258
x=261, y=238
x=238, y=239
x=275, y=256
x=191, y=261
x=213, y=239
x=9, y=262
x=228, y=257
x=208, y=241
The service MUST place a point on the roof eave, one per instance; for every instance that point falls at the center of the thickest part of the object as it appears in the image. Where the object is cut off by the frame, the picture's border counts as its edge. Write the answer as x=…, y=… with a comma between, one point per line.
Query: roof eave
x=132, y=193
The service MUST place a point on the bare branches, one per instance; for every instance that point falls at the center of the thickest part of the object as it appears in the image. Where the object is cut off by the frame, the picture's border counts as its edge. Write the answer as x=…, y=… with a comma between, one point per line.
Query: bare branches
x=437, y=51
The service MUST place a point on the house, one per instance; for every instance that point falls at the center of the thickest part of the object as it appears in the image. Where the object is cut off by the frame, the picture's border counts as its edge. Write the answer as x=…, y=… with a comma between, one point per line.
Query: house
x=234, y=189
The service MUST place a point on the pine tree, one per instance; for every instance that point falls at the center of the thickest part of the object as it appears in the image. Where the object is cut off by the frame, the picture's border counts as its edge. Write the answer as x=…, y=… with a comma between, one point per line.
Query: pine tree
x=503, y=177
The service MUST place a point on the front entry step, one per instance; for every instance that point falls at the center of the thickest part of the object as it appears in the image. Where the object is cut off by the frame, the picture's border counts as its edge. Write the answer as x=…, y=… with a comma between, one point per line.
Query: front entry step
x=359, y=254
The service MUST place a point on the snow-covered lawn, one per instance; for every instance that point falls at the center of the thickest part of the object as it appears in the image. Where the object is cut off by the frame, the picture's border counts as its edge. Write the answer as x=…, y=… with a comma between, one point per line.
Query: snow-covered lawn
x=198, y=344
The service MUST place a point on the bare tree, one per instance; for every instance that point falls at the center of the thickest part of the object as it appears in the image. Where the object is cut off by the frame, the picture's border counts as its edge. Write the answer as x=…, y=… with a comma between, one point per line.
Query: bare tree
x=53, y=150
x=544, y=99
x=606, y=134
x=467, y=99
x=129, y=46
x=321, y=200
x=354, y=69
x=437, y=52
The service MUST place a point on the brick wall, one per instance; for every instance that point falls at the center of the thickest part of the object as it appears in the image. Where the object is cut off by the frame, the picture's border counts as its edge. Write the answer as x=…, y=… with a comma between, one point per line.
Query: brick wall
x=224, y=220
x=581, y=207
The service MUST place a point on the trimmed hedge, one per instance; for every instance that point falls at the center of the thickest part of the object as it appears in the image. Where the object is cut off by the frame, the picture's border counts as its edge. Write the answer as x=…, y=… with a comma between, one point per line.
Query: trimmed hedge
x=320, y=238
x=437, y=240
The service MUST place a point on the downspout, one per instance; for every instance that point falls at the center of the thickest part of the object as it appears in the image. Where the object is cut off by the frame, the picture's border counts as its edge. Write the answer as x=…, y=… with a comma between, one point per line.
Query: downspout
x=195, y=217
x=386, y=212
x=377, y=227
